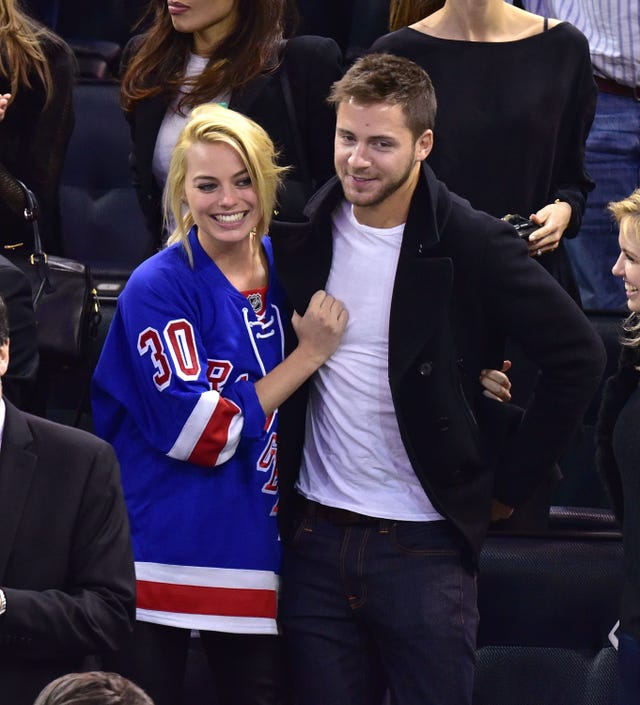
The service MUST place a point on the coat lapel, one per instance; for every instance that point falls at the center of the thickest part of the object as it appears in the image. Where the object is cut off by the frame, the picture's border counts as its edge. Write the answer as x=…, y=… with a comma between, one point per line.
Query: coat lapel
x=17, y=465
x=424, y=280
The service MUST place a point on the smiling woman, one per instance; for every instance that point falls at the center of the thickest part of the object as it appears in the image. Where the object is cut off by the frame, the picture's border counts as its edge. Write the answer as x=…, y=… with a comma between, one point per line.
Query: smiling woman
x=231, y=52
x=186, y=390
x=618, y=449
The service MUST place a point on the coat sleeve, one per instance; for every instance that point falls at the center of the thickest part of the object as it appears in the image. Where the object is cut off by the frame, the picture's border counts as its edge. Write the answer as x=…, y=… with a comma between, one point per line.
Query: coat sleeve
x=573, y=183
x=530, y=307
x=94, y=610
x=15, y=289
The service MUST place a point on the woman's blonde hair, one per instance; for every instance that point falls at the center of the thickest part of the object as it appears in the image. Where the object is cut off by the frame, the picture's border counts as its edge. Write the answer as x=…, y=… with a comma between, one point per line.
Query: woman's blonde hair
x=21, y=52
x=628, y=210
x=209, y=124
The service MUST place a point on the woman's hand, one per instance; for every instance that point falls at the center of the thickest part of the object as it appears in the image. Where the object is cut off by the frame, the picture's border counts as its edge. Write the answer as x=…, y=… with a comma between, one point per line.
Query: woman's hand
x=320, y=329
x=553, y=220
x=4, y=104
x=496, y=384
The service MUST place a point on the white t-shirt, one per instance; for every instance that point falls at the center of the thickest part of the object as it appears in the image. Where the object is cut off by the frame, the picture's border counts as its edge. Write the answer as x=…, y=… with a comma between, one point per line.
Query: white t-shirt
x=353, y=454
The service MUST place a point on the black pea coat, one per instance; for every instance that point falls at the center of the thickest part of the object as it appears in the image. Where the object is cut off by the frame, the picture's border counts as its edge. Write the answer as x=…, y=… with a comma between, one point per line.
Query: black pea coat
x=464, y=283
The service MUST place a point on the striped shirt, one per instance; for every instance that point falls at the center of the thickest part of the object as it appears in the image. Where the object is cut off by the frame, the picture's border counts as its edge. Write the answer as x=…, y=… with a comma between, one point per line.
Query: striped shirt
x=612, y=28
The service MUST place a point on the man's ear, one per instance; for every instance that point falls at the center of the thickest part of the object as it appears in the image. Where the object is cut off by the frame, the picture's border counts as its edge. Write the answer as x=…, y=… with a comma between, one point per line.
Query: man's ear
x=424, y=145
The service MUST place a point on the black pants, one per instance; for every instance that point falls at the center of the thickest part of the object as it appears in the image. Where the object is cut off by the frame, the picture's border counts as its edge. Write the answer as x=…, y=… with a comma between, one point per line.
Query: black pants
x=247, y=669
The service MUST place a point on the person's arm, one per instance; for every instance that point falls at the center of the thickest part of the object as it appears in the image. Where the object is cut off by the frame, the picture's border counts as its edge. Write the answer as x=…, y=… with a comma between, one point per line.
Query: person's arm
x=95, y=610
x=201, y=414
x=15, y=289
x=562, y=216
x=318, y=332
x=532, y=309
x=48, y=146
x=148, y=195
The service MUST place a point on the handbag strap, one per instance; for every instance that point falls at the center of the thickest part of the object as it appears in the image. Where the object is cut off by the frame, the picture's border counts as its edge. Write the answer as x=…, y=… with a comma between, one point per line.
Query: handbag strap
x=285, y=84
x=38, y=258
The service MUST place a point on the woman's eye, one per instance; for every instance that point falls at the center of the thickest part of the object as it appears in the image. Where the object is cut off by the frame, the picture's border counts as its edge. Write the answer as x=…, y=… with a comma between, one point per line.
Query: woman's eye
x=244, y=183
x=206, y=188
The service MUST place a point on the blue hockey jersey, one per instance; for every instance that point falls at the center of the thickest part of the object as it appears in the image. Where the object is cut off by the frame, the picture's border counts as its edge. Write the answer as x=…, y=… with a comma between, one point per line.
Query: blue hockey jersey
x=174, y=393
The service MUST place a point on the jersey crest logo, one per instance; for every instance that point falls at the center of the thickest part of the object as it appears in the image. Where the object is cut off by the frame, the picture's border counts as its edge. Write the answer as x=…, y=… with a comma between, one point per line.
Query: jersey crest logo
x=255, y=299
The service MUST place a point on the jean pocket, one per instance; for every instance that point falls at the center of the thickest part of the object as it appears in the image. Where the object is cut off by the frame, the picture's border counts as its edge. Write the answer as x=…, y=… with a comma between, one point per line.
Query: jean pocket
x=435, y=538
x=301, y=526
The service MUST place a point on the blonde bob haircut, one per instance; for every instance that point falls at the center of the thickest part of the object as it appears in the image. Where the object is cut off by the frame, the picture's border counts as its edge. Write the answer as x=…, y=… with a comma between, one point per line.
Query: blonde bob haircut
x=628, y=210
x=212, y=123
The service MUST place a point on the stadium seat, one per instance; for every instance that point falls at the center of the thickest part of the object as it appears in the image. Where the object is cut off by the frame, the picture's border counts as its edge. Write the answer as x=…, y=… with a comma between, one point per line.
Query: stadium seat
x=102, y=224
x=546, y=608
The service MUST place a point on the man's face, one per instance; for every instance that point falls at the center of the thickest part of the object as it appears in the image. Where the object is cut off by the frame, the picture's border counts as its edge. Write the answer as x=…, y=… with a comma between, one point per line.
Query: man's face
x=377, y=160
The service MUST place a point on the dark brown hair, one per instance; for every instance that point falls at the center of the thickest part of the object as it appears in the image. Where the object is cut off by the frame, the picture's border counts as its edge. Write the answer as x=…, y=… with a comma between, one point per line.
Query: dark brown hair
x=406, y=12
x=158, y=66
x=386, y=78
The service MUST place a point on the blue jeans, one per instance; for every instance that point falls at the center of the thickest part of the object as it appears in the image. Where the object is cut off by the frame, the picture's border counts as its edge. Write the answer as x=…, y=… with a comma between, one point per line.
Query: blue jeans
x=629, y=666
x=389, y=606
x=613, y=160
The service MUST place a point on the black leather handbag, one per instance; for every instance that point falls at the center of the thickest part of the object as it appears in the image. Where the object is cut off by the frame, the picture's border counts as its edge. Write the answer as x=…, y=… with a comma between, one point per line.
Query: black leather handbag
x=65, y=300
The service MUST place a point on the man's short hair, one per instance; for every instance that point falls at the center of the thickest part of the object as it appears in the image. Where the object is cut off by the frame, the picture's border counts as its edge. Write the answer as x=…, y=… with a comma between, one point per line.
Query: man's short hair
x=92, y=688
x=385, y=78
x=4, y=322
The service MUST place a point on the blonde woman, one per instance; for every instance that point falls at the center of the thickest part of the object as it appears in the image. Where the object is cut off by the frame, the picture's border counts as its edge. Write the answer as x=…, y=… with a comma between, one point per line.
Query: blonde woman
x=617, y=443
x=36, y=113
x=187, y=390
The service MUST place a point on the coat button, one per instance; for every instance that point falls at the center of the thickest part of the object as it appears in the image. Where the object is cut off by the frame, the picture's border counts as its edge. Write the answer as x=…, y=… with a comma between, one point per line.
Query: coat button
x=425, y=369
x=443, y=423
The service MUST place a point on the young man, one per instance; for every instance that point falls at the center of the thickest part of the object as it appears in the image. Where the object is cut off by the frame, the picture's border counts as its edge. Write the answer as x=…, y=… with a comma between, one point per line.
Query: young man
x=388, y=488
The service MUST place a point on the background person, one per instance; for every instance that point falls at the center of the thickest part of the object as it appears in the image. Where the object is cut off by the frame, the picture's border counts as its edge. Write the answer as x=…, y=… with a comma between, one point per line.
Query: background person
x=66, y=570
x=513, y=140
x=36, y=81
x=613, y=146
x=187, y=389
x=92, y=688
x=617, y=443
x=229, y=51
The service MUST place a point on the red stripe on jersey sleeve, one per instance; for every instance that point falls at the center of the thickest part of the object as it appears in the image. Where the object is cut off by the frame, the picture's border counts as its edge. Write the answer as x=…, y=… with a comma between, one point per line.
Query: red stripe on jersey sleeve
x=215, y=435
x=197, y=599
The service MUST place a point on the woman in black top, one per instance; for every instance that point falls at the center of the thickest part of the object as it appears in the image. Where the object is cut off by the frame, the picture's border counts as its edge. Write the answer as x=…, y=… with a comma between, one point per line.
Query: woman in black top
x=229, y=51
x=516, y=99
